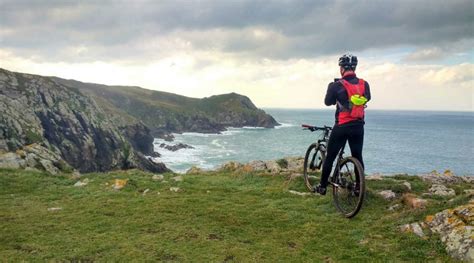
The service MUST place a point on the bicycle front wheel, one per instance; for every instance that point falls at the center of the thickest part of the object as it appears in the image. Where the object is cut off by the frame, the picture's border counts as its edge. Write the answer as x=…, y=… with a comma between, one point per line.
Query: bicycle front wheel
x=313, y=162
x=348, y=186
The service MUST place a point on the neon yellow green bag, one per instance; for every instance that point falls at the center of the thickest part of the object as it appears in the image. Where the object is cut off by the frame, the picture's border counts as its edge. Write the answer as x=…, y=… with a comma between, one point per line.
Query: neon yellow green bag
x=358, y=100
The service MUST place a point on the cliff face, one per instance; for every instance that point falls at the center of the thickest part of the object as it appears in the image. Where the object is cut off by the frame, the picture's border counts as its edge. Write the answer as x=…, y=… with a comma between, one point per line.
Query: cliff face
x=38, y=110
x=165, y=113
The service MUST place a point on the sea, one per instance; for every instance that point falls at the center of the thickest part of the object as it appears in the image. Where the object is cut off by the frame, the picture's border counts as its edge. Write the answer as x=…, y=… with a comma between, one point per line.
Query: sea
x=395, y=142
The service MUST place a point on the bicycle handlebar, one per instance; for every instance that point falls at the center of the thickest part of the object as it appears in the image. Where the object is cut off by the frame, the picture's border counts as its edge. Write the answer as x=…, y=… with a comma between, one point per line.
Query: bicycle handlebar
x=315, y=128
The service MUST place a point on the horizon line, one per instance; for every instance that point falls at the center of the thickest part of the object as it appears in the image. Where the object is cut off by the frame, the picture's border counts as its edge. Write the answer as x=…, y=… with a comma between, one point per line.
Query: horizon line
x=376, y=109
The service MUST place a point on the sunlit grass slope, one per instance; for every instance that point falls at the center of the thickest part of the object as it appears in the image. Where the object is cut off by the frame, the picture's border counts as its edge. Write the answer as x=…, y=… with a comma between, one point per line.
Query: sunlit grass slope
x=215, y=217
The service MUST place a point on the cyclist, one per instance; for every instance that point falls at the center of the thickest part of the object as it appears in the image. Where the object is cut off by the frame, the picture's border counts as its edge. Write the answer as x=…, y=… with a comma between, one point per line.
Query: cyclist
x=349, y=94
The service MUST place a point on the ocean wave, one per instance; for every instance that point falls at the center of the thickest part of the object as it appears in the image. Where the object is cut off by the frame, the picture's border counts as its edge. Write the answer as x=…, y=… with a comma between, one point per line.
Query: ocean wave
x=197, y=134
x=232, y=131
x=285, y=125
x=216, y=143
x=253, y=128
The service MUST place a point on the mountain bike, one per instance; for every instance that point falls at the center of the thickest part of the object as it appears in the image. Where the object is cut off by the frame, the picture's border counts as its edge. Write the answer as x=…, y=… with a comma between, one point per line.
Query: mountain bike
x=347, y=178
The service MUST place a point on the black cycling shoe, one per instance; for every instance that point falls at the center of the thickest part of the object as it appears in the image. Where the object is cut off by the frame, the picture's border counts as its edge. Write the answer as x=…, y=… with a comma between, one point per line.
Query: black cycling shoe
x=319, y=189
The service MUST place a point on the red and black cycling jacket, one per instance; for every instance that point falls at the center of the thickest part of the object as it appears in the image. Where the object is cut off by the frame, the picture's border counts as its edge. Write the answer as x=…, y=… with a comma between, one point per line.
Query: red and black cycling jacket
x=337, y=95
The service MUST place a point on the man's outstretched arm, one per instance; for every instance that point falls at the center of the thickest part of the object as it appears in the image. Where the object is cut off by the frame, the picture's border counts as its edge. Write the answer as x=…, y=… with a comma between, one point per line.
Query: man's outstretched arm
x=330, y=98
x=367, y=91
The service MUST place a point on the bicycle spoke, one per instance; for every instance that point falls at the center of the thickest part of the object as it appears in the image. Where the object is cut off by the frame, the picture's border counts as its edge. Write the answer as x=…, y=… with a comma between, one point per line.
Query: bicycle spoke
x=311, y=171
x=347, y=196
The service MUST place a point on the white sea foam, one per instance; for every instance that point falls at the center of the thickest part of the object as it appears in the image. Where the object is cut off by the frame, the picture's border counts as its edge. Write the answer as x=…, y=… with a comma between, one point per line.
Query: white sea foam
x=216, y=143
x=196, y=134
x=232, y=131
x=204, y=154
x=285, y=125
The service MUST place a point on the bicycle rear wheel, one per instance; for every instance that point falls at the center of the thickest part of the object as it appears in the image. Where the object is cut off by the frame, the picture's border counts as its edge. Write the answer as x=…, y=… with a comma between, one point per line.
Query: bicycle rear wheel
x=313, y=162
x=348, y=186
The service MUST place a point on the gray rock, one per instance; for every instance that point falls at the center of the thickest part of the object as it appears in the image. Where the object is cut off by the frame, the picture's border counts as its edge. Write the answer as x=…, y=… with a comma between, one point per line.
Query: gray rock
x=387, y=194
x=175, y=189
x=468, y=179
x=405, y=228
x=408, y=185
x=31, y=160
x=178, y=178
x=273, y=167
x=294, y=163
x=30, y=169
x=394, y=207
x=82, y=183
x=445, y=178
x=176, y=147
x=11, y=160
x=49, y=167
x=194, y=170
x=469, y=191
x=441, y=190
x=374, y=177
x=455, y=227
x=417, y=229
x=413, y=228
x=3, y=146
x=230, y=166
x=158, y=177
x=258, y=165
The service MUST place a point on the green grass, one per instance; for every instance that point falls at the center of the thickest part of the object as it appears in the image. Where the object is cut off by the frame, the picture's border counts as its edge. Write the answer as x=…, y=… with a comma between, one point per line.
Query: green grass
x=216, y=218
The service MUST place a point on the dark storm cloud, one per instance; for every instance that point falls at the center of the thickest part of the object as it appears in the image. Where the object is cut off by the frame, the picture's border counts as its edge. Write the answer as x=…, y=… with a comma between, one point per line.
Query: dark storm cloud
x=124, y=29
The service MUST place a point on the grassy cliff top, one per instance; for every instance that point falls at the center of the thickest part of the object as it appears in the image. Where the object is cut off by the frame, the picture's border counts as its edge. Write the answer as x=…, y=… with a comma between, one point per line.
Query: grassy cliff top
x=166, y=112
x=216, y=216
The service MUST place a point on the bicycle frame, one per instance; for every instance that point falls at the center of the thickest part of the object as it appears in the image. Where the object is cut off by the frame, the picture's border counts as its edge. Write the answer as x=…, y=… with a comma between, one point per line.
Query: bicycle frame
x=333, y=175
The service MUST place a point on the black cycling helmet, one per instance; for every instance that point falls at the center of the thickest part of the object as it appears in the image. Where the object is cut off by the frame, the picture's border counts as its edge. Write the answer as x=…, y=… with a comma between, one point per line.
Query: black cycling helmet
x=348, y=62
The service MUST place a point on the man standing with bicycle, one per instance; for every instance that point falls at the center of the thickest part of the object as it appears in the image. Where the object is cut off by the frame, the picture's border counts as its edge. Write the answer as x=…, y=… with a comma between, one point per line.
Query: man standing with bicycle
x=350, y=95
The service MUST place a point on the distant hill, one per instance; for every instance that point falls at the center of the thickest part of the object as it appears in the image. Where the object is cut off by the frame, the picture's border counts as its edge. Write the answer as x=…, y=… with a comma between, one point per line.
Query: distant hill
x=165, y=112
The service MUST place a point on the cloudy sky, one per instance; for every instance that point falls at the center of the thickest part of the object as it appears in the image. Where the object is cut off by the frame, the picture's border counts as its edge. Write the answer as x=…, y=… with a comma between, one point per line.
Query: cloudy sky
x=415, y=54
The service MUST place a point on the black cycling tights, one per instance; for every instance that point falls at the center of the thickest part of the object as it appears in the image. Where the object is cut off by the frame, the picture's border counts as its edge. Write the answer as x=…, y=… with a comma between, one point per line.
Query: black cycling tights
x=339, y=135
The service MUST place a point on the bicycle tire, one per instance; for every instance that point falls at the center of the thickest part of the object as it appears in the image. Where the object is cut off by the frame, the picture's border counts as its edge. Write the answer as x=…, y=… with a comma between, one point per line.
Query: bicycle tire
x=347, y=190
x=310, y=167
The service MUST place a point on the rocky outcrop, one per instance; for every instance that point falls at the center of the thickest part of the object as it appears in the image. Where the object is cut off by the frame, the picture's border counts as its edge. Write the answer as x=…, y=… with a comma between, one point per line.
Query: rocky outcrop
x=441, y=190
x=387, y=194
x=194, y=170
x=37, y=110
x=139, y=137
x=35, y=156
x=175, y=147
x=284, y=165
x=447, y=177
x=455, y=228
